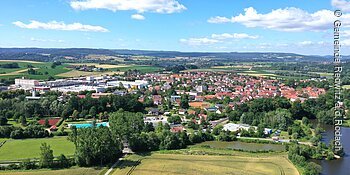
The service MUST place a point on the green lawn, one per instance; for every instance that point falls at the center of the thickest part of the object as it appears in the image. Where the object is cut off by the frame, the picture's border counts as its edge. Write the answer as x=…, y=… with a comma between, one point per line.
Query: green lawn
x=30, y=148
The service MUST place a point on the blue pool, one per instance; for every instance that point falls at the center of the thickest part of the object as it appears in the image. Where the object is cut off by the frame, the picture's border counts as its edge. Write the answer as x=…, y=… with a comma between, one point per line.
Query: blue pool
x=87, y=125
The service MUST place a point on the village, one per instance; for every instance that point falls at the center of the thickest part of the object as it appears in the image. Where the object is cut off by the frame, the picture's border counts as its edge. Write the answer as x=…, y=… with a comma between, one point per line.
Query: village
x=184, y=101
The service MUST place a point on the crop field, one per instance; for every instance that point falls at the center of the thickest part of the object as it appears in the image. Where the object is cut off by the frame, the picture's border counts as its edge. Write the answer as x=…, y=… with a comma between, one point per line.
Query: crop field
x=45, y=71
x=30, y=148
x=229, y=162
x=105, y=66
x=70, y=171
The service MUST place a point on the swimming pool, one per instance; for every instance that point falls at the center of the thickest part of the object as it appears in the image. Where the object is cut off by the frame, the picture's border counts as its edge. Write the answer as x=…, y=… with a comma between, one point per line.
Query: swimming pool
x=88, y=125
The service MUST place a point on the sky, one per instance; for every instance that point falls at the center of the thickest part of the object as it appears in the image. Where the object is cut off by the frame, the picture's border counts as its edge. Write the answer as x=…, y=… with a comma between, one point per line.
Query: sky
x=296, y=26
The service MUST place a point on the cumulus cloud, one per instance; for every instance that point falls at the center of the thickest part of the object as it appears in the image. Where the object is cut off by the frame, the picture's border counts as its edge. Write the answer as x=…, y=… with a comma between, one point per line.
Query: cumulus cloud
x=199, y=41
x=343, y=5
x=287, y=19
x=54, y=25
x=156, y=6
x=217, y=38
x=234, y=36
x=137, y=17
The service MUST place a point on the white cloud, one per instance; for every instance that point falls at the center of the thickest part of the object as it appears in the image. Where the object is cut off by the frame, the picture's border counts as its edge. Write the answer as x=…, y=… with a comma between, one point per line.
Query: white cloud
x=199, y=41
x=54, y=25
x=45, y=40
x=343, y=5
x=310, y=44
x=306, y=43
x=137, y=17
x=288, y=19
x=233, y=36
x=216, y=38
x=156, y=6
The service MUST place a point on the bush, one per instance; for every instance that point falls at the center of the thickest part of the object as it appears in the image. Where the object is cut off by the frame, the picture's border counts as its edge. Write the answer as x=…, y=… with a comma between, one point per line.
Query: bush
x=27, y=164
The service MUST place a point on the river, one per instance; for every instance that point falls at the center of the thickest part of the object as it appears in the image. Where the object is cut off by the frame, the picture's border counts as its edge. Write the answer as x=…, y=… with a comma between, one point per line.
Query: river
x=339, y=166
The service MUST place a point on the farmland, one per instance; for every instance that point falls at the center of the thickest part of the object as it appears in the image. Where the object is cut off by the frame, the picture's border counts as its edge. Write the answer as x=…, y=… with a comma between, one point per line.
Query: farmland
x=263, y=70
x=44, y=69
x=14, y=150
x=238, y=163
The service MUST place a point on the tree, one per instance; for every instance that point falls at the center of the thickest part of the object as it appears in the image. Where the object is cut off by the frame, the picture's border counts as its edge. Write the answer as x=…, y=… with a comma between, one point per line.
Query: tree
x=312, y=169
x=46, y=156
x=217, y=129
x=96, y=146
x=184, y=102
x=297, y=110
x=125, y=124
x=325, y=117
x=3, y=121
x=63, y=162
x=27, y=164
x=93, y=111
x=47, y=124
x=149, y=127
x=23, y=120
x=75, y=114
x=305, y=121
x=175, y=119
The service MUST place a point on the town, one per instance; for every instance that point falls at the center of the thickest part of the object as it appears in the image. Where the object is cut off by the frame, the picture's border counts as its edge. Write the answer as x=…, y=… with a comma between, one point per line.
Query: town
x=207, y=94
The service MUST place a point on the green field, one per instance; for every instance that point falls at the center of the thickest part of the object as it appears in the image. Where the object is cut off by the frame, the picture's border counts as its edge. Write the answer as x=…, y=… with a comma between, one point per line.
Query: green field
x=62, y=71
x=14, y=150
x=70, y=171
x=173, y=164
x=41, y=67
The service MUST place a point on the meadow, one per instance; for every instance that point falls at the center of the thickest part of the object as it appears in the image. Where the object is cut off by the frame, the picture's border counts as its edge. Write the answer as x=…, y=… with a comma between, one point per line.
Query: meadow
x=14, y=150
x=172, y=164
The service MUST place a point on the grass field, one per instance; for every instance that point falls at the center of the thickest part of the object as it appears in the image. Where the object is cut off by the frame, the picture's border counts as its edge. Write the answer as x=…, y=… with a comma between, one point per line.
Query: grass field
x=70, y=171
x=30, y=148
x=157, y=164
x=22, y=71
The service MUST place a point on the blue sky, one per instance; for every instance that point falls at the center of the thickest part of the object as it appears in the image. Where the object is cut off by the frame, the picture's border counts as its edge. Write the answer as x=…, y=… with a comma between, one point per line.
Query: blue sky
x=299, y=26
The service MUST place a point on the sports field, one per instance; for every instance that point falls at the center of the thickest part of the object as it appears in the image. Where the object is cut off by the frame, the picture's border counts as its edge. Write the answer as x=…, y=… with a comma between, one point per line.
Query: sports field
x=173, y=164
x=14, y=150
